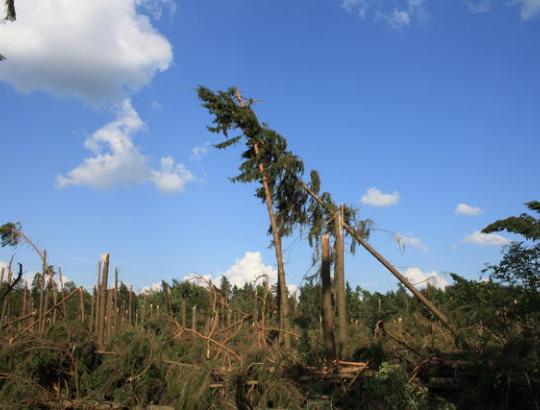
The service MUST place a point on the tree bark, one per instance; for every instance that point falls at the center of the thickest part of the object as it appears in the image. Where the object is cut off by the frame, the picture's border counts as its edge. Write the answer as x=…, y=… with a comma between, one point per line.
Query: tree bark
x=283, y=299
x=430, y=306
x=327, y=308
x=103, y=300
x=339, y=277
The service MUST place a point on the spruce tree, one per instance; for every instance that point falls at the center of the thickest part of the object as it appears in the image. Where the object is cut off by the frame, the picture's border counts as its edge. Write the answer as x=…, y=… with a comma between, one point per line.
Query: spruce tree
x=267, y=161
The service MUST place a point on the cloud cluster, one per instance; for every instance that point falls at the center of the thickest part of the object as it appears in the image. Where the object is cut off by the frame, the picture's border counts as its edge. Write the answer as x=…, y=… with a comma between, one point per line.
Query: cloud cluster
x=478, y=6
x=248, y=269
x=467, y=210
x=422, y=279
x=118, y=161
x=375, y=197
x=398, y=15
x=486, y=239
x=95, y=50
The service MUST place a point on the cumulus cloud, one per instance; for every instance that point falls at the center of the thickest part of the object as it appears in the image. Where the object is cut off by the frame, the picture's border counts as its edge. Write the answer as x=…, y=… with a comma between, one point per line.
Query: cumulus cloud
x=422, y=279
x=403, y=241
x=150, y=289
x=95, y=50
x=375, y=197
x=118, y=161
x=247, y=269
x=486, y=239
x=467, y=210
x=397, y=14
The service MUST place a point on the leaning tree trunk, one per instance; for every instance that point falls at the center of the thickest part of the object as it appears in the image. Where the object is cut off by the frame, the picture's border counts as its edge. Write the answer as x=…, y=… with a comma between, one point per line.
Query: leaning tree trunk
x=327, y=308
x=283, y=299
x=339, y=277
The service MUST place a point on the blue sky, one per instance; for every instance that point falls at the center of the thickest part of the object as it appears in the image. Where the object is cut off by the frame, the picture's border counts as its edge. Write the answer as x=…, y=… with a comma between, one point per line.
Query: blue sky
x=414, y=106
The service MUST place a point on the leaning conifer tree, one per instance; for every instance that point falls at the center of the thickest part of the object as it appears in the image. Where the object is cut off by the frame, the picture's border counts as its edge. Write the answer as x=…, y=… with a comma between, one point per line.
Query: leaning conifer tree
x=266, y=160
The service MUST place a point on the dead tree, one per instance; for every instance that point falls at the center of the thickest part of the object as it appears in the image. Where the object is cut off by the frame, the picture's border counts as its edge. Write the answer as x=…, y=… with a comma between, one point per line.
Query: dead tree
x=339, y=279
x=327, y=305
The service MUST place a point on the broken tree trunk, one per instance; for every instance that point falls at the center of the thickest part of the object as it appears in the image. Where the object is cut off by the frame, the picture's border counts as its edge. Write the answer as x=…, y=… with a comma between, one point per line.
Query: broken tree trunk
x=327, y=308
x=339, y=278
x=419, y=295
x=103, y=302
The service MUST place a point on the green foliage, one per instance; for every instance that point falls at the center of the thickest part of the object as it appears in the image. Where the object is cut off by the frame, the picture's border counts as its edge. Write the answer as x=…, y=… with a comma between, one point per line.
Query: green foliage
x=10, y=234
x=389, y=389
x=322, y=219
x=524, y=224
x=263, y=147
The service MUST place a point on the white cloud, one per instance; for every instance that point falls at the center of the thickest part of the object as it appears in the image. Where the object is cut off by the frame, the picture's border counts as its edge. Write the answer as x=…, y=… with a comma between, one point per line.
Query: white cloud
x=397, y=19
x=201, y=280
x=197, y=153
x=467, y=210
x=153, y=288
x=118, y=161
x=421, y=279
x=400, y=14
x=157, y=8
x=403, y=241
x=528, y=8
x=375, y=197
x=172, y=177
x=478, y=6
x=95, y=50
x=397, y=14
x=248, y=269
x=486, y=239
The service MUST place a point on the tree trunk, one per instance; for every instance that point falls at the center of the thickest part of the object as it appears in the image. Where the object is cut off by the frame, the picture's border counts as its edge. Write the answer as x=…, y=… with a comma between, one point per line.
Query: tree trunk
x=283, y=300
x=327, y=308
x=430, y=306
x=282, y=294
x=44, y=269
x=339, y=277
x=103, y=302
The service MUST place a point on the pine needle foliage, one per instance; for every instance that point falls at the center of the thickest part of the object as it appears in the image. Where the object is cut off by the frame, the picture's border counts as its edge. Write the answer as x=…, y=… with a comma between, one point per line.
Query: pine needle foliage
x=10, y=234
x=263, y=146
x=322, y=219
x=526, y=225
